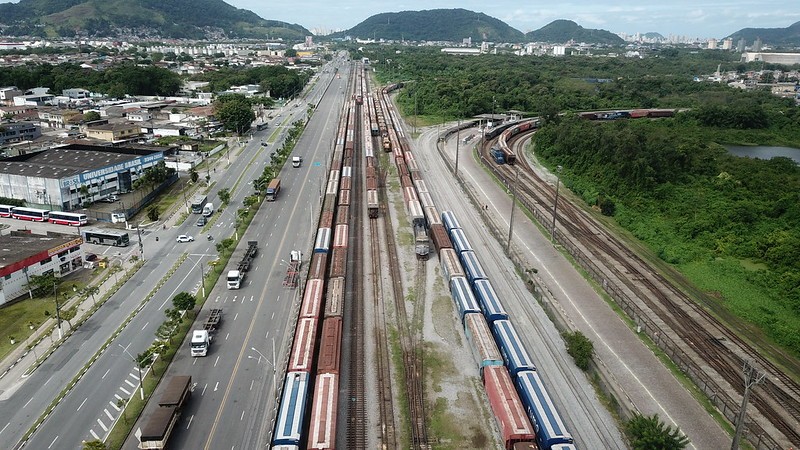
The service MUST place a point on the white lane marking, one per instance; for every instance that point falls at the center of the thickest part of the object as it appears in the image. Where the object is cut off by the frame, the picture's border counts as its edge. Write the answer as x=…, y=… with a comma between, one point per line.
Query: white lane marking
x=123, y=390
x=4, y=428
x=251, y=298
x=130, y=384
x=118, y=397
x=26, y=404
x=110, y=417
x=102, y=425
x=242, y=416
x=227, y=335
x=145, y=326
x=215, y=363
x=235, y=316
x=54, y=441
x=190, y=421
x=104, y=375
x=81, y=405
x=268, y=331
x=251, y=384
x=134, y=375
x=216, y=386
x=94, y=435
x=113, y=405
x=204, y=389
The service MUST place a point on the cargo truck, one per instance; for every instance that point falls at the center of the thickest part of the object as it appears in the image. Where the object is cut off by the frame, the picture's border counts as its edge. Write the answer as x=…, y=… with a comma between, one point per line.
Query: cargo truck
x=236, y=276
x=272, y=189
x=208, y=209
x=162, y=419
x=201, y=339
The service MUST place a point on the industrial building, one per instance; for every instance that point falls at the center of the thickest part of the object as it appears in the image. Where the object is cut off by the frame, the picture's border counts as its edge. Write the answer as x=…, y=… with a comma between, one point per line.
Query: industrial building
x=774, y=58
x=52, y=179
x=27, y=254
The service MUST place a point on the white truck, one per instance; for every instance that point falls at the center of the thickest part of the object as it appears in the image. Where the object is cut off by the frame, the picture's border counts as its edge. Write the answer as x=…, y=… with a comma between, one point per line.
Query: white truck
x=201, y=339
x=234, y=279
x=297, y=161
x=208, y=209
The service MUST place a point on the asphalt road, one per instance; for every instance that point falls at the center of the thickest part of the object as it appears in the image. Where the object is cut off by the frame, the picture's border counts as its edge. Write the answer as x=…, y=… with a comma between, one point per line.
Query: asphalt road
x=234, y=400
x=89, y=410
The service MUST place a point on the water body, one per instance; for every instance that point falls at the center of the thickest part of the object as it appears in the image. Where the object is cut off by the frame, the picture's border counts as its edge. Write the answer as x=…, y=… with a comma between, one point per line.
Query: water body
x=764, y=152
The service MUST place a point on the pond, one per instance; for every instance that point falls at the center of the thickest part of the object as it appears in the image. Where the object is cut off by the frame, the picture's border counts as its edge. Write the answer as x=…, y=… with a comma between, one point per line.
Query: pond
x=764, y=151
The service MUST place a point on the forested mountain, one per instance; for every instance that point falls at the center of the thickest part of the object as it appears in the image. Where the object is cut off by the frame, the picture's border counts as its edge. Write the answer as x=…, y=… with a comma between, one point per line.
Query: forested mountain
x=435, y=25
x=145, y=18
x=789, y=36
x=561, y=31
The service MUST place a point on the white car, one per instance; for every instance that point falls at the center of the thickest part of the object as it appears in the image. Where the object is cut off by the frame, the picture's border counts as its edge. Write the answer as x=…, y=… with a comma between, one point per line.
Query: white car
x=185, y=238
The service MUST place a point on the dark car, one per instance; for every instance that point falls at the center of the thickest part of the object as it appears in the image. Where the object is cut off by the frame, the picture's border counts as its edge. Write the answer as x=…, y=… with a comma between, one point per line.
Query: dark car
x=91, y=257
x=201, y=221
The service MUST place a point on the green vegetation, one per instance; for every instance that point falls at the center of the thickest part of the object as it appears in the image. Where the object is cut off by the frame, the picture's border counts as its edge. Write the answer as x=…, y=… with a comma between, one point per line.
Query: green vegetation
x=116, y=81
x=732, y=225
x=435, y=25
x=580, y=348
x=566, y=30
x=650, y=433
x=234, y=111
x=279, y=81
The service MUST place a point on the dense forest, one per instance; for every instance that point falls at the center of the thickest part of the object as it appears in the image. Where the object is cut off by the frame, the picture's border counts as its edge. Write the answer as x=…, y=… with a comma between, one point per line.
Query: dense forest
x=732, y=225
x=115, y=82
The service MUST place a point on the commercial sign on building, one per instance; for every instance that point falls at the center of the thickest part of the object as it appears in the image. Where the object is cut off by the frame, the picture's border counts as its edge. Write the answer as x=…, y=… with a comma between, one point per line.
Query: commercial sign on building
x=65, y=246
x=121, y=167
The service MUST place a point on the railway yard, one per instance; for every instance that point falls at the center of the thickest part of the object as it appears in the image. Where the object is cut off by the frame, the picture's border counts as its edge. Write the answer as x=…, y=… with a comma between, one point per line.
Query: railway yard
x=424, y=322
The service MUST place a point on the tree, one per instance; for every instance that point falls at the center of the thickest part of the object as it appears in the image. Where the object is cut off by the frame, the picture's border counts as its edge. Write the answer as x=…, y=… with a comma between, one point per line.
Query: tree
x=224, y=195
x=235, y=112
x=69, y=314
x=193, y=175
x=290, y=53
x=184, y=301
x=41, y=285
x=91, y=116
x=173, y=315
x=91, y=290
x=152, y=213
x=95, y=444
x=166, y=331
x=650, y=433
x=580, y=348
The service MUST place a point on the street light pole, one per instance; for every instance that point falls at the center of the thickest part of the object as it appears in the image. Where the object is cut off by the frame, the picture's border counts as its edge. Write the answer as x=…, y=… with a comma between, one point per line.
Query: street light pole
x=458, y=139
x=271, y=363
x=58, y=310
x=555, y=204
x=139, y=367
x=202, y=281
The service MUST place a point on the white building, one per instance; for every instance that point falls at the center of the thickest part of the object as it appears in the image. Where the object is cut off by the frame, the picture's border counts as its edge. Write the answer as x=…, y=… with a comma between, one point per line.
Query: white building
x=25, y=254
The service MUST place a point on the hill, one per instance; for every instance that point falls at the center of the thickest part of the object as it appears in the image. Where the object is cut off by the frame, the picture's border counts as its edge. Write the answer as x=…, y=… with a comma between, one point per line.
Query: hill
x=560, y=31
x=193, y=19
x=435, y=25
x=783, y=37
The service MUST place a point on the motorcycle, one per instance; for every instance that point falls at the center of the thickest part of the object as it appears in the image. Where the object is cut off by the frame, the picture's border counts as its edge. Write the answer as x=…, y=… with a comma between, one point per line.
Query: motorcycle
x=210, y=238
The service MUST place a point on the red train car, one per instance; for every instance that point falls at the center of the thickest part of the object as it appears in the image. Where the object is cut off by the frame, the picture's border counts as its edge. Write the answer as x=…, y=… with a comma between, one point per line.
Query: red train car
x=439, y=236
x=338, y=262
x=330, y=346
x=312, y=299
x=342, y=214
x=319, y=262
x=507, y=407
x=305, y=336
x=340, y=236
x=322, y=429
x=326, y=219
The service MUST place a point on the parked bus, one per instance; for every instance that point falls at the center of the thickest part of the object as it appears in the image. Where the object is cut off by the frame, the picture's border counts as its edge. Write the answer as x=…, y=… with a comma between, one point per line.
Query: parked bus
x=5, y=210
x=68, y=218
x=198, y=202
x=33, y=214
x=106, y=237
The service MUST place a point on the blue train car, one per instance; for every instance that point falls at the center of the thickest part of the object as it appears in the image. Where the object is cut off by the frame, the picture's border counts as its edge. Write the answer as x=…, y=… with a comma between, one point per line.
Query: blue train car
x=463, y=297
x=490, y=303
x=289, y=427
x=472, y=267
x=449, y=220
x=514, y=353
x=481, y=341
x=563, y=447
x=550, y=430
x=459, y=239
x=323, y=242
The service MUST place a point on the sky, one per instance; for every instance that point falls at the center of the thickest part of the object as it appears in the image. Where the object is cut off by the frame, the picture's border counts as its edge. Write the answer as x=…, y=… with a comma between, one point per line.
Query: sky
x=694, y=18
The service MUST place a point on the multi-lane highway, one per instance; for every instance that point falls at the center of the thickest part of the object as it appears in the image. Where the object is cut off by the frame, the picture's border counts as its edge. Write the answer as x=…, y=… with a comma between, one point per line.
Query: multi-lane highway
x=234, y=399
x=90, y=408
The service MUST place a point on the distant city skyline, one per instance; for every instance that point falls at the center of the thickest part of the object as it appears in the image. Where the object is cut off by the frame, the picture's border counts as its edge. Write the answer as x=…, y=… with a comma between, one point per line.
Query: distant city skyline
x=691, y=18
x=694, y=18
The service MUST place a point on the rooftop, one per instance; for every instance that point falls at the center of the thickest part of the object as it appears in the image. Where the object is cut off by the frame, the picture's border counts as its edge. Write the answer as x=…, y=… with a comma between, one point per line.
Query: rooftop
x=19, y=245
x=70, y=160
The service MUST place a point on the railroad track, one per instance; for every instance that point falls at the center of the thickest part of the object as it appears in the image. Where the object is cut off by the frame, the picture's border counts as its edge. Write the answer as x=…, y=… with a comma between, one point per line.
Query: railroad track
x=356, y=403
x=629, y=278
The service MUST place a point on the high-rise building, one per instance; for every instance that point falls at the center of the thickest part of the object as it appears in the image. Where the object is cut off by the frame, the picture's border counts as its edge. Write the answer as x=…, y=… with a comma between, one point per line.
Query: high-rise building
x=712, y=44
x=727, y=44
x=741, y=46
x=757, y=45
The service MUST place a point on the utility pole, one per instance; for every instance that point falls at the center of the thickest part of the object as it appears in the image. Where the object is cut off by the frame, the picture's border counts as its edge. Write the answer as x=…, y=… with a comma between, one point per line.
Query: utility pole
x=202, y=281
x=513, y=207
x=752, y=376
x=141, y=246
x=458, y=138
x=555, y=205
x=58, y=309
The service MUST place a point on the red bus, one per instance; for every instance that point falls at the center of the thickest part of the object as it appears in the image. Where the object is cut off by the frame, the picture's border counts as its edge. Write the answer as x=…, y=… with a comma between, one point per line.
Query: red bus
x=68, y=218
x=5, y=210
x=33, y=214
